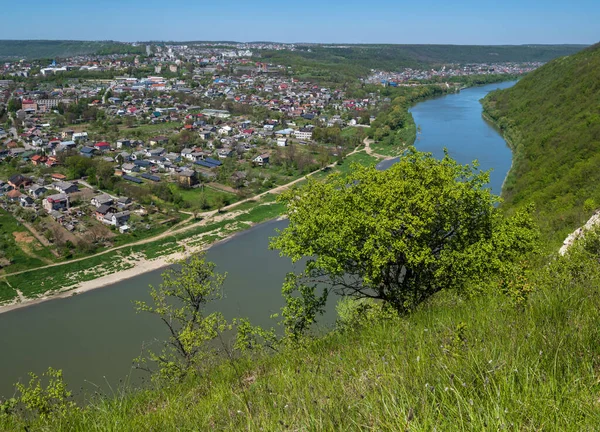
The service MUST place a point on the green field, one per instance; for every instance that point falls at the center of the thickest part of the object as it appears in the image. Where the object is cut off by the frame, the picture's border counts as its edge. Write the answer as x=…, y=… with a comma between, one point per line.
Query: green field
x=15, y=252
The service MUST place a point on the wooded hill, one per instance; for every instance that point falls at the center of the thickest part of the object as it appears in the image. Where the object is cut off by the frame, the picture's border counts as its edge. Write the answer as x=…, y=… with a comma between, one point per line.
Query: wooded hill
x=40, y=49
x=552, y=120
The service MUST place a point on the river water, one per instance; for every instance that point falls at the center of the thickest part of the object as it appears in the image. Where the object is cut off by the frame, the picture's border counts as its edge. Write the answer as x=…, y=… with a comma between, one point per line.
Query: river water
x=94, y=336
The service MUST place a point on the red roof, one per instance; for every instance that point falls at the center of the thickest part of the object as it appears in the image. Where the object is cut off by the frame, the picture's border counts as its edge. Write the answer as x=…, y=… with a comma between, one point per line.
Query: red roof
x=102, y=144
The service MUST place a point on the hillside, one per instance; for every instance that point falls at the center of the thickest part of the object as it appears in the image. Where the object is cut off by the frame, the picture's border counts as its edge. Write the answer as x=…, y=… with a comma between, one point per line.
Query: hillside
x=552, y=120
x=476, y=364
x=362, y=58
x=40, y=49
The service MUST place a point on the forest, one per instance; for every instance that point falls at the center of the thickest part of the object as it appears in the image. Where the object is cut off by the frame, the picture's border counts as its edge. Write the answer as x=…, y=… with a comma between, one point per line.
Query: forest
x=551, y=119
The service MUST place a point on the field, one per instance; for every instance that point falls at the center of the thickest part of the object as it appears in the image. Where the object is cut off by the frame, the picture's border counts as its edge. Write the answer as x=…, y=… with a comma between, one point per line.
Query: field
x=18, y=246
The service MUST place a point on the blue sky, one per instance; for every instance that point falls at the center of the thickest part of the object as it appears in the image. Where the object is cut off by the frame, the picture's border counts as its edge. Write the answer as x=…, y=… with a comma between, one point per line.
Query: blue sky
x=351, y=21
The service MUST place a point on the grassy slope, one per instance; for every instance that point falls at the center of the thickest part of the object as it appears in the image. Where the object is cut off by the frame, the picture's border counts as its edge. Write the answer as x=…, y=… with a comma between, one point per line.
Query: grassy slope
x=552, y=119
x=477, y=364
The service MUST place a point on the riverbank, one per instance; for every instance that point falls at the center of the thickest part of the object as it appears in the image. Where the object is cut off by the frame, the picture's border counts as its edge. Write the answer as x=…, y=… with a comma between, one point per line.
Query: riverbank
x=128, y=261
x=509, y=142
x=218, y=229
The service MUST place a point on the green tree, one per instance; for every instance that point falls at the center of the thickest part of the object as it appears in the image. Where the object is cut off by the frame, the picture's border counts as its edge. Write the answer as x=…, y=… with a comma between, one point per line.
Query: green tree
x=399, y=235
x=179, y=302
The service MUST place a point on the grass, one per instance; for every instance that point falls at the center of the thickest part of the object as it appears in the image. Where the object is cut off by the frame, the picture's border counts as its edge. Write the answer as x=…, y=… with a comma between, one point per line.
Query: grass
x=37, y=282
x=213, y=197
x=6, y=292
x=12, y=250
x=388, y=149
x=457, y=363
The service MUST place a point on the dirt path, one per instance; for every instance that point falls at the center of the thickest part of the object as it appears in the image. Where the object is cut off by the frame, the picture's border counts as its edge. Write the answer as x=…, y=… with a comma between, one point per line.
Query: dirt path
x=367, y=142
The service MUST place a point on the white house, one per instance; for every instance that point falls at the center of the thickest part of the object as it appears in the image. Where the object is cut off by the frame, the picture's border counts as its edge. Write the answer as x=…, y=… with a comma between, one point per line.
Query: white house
x=261, y=160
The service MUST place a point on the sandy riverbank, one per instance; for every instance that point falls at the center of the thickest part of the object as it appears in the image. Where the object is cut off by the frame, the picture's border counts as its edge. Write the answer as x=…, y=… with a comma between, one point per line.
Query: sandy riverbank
x=140, y=267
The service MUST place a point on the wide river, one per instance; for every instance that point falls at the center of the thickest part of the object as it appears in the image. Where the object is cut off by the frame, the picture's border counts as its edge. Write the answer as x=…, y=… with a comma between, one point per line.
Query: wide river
x=94, y=336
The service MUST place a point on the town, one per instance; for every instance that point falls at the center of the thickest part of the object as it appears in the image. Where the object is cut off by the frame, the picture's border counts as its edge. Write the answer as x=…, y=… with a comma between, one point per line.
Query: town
x=100, y=150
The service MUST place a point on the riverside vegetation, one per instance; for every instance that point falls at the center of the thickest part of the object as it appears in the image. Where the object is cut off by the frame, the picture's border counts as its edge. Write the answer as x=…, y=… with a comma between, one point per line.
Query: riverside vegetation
x=450, y=318
x=551, y=118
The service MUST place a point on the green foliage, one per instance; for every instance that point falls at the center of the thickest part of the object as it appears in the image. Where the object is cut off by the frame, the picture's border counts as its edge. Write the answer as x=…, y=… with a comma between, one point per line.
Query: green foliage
x=179, y=302
x=551, y=119
x=46, y=49
x=399, y=235
x=326, y=63
x=456, y=363
x=37, y=400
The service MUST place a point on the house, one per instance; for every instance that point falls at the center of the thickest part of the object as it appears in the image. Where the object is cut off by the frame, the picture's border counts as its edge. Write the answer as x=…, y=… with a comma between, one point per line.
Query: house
x=36, y=191
x=304, y=133
x=123, y=202
x=261, y=160
x=159, y=151
x=142, y=164
x=87, y=151
x=65, y=187
x=38, y=159
x=225, y=153
x=123, y=143
x=102, y=146
x=56, y=215
x=14, y=195
x=159, y=140
x=56, y=202
x=187, y=178
x=81, y=136
x=102, y=199
x=26, y=201
x=58, y=177
x=282, y=142
x=67, y=134
x=52, y=161
x=102, y=211
x=18, y=180
x=116, y=219
x=130, y=168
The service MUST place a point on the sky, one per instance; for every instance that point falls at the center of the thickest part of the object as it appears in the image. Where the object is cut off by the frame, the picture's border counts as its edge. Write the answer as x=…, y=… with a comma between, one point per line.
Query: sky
x=327, y=21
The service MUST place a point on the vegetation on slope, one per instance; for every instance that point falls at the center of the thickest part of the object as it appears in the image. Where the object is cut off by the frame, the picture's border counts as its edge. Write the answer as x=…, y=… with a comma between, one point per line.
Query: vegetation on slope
x=336, y=63
x=552, y=120
x=39, y=49
x=483, y=363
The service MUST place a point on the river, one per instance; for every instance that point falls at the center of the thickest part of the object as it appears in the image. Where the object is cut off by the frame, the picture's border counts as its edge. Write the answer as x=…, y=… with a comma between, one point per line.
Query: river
x=94, y=336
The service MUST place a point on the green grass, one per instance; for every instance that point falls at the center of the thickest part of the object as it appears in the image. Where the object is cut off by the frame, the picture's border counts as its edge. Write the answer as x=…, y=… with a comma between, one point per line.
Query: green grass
x=12, y=250
x=213, y=197
x=388, y=149
x=262, y=213
x=360, y=158
x=457, y=363
x=6, y=292
x=36, y=282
